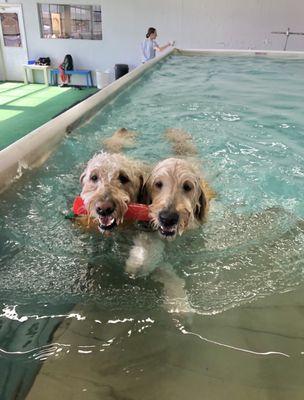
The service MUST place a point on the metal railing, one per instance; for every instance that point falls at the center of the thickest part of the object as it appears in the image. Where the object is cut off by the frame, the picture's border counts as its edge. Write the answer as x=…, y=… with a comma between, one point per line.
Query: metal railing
x=287, y=33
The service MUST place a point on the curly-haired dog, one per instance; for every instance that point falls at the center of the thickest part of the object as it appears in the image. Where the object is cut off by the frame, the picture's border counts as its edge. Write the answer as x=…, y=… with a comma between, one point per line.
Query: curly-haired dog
x=178, y=193
x=178, y=196
x=109, y=183
x=179, y=200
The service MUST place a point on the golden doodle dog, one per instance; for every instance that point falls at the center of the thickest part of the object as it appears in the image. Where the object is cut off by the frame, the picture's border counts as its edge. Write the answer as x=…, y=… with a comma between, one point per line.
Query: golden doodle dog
x=178, y=194
x=110, y=182
x=178, y=198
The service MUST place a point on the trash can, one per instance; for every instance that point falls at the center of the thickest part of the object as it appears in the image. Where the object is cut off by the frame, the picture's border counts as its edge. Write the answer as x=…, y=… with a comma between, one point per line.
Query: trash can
x=103, y=78
x=121, y=70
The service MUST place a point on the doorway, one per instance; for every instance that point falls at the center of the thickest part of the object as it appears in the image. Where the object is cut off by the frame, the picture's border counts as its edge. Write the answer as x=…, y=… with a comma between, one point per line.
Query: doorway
x=13, y=49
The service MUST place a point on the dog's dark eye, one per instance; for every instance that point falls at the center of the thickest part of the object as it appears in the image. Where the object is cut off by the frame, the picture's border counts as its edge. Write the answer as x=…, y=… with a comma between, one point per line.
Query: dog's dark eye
x=159, y=184
x=123, y=179
x=94, y=178
x=187, y=187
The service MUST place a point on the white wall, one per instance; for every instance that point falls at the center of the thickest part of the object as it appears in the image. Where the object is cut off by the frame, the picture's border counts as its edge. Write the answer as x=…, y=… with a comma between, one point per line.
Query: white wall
x=227, y=24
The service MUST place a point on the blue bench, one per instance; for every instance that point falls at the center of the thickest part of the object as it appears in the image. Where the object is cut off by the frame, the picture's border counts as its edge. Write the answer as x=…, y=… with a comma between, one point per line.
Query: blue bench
x=85, y=72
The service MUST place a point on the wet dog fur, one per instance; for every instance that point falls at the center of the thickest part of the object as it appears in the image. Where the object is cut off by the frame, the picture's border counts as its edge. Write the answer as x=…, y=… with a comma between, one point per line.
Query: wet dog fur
x=110, y=182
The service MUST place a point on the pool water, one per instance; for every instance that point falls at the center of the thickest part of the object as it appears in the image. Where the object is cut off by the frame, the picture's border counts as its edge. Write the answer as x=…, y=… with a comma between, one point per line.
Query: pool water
x=72, y=315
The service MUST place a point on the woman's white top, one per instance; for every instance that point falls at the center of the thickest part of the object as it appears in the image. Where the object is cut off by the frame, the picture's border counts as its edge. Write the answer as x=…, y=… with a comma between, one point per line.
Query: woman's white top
x=148, y=49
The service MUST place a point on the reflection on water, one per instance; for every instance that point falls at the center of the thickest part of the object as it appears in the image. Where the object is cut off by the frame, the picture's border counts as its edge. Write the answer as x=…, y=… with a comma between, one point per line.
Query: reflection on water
x=70, y=312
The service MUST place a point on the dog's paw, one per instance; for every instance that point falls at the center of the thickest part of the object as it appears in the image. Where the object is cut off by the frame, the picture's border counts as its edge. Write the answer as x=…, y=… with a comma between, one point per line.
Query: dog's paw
x=136, y=260
x=145, y=255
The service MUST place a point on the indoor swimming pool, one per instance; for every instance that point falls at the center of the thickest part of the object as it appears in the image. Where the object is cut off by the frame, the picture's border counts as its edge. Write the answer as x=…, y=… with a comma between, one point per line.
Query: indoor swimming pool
x=72, y=322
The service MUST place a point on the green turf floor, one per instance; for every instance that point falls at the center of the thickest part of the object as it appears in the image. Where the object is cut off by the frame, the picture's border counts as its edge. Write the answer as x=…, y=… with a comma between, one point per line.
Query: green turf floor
x=24, y=108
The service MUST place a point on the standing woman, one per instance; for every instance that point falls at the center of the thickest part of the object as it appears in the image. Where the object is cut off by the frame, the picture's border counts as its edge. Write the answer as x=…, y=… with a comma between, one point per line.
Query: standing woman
x=149, y=46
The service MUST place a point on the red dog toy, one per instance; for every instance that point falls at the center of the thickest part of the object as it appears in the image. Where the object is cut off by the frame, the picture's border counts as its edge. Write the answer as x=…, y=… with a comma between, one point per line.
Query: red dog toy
x=138, y=212
x=78, y=207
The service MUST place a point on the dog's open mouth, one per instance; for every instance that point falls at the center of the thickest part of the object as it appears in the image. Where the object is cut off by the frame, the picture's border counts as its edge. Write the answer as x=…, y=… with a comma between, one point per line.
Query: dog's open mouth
x=106, y=223
x=167, y=231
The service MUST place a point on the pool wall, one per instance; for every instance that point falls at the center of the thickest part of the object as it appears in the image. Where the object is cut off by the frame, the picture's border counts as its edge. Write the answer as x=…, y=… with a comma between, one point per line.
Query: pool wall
x=32, y=150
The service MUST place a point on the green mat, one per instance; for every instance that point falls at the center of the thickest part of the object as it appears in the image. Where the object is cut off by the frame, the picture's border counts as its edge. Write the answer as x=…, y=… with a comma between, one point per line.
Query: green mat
x=24, y=108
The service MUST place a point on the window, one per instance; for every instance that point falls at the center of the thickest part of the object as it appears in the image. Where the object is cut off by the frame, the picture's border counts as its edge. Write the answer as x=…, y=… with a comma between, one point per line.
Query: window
x=60, y=21
x=10, y=29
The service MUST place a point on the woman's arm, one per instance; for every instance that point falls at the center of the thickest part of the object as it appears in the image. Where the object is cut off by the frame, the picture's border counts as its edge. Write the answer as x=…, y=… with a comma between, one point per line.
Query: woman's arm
x=161, y=48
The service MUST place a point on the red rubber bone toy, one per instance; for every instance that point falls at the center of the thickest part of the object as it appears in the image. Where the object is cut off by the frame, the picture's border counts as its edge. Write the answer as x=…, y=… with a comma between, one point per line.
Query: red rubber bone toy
x=138, y=212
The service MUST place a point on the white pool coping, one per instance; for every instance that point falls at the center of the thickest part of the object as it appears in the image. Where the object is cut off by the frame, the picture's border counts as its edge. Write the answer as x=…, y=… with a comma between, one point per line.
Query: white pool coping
x=232, y=52
x=33, y=149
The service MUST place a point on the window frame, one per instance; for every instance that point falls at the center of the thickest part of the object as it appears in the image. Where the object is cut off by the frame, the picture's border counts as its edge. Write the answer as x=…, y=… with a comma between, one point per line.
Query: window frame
x=86, y=8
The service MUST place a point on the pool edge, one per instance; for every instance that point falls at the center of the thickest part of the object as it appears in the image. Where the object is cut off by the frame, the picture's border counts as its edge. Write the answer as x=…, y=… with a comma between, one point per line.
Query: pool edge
x=248, y=52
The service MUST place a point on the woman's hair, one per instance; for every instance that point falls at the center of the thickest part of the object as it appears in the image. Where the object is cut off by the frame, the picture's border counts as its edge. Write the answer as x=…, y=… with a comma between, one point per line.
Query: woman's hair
x=68, y=62
x=150, y=31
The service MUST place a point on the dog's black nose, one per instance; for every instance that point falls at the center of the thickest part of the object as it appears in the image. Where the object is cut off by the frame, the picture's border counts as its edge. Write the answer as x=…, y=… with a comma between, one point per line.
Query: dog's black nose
x=104, y=212
x=168, y=218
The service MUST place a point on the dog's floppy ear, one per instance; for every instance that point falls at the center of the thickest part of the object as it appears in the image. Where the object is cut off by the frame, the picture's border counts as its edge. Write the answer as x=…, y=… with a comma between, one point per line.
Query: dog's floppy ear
x=82, y=177
x=143, y=194
x=201, y=206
